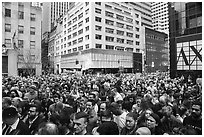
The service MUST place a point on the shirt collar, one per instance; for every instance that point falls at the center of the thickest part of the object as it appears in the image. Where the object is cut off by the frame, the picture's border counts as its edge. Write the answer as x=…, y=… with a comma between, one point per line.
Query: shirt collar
x=14, y=126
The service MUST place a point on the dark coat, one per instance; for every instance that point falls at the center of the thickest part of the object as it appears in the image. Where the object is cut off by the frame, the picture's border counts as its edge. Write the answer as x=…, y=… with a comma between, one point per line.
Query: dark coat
x=21, y=129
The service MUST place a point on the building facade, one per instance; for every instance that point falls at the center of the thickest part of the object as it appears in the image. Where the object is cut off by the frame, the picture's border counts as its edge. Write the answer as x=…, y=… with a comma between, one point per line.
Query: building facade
x=185, y=25
x=160, y=19
x=156, y=44
x=99, y=35
x=21, y=35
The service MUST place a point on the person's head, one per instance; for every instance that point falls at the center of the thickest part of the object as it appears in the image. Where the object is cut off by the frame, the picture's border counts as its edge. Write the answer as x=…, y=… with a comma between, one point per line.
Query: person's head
x=102, y=107
x=131, y=120
x=16, y=101
x=167, y=110
x=116, y=109
x=148, y=112
x=80, y=123
x=6, y=102
x=10, y=115
x=92, y=96
x=47, y=128
x=33, y=111
x=89, y=104
x=196, y=110
x=108, y=128
x=152, y=121
x=143, y=131
x=32, y=89
x=105, y=116
x=56, y=98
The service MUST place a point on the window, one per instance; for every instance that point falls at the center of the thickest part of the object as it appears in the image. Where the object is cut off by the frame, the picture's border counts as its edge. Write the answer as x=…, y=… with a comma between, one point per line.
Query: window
x=120, y=32
x=74, y=49
x=32, y=57
x=69, y=51
x=98, y=3
x=98, y=28
x=130, y=42
x=69, y=23
x=109, y=14
x=97, y=19
x=119, y=17
x=74, y=42
x=109, y=30
x=120, y=25
x=129, y=49
x=64, y=52
x=32, y=44
x=129, y=20
x=65, y=25
x=109, y=47
x=69, y=43
x=108, y=6
x=21, y=15
x=69, y=37
x=80, y=48
x=129, y=27
x=8, y=43
x=87, y=19
x=80, y=40
x=87, y=37
x=87, y=11
x=80, y=31
x=109, y=22
x=80, y=16
x=87, y=46
x=7, y=12
x=75, y=19
x=87, y=28
x=119, y=40
x=69, y=30
x=129, y=34
x=98, y=36
x=137, y=43
x=137, y=29
x=98, y=46
x=74, y=34
x=137, y=36
x=20, y=43
x=65, y=45
x=32, y=17
x=7, y=27
x=97, y=10
x=110, y=39
x=32, y=30
x=87, y=3
x=74, y=27
x=80, y=24
x=65, y=38
x=20, y=29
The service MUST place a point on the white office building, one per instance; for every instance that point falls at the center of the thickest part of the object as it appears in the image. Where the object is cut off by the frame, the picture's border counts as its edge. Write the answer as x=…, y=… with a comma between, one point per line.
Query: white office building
x=98, y=35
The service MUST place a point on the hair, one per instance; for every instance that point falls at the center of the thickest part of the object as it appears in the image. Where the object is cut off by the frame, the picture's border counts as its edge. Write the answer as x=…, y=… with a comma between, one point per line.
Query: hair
x=133, y=115
x=81, y=115
x=197, y=103
x=48, y=128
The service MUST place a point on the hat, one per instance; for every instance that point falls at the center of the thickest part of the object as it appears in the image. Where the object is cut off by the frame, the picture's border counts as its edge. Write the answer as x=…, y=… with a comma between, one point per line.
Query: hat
x=143, y=131
x=14, y=88
x=81, y=115
x=108, y=128
x=9, y=112
x=33, y=86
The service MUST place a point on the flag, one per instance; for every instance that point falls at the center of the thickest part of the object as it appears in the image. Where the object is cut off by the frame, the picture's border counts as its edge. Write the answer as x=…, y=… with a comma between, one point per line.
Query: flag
x=14, y=41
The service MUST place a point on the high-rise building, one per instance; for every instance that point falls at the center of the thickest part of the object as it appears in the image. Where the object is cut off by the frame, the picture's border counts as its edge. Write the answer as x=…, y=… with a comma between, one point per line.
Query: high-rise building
x=21, y=38
x=160, y=15
x=145, y=9
x=102, y=36
x=52, y=11
x=185, y=26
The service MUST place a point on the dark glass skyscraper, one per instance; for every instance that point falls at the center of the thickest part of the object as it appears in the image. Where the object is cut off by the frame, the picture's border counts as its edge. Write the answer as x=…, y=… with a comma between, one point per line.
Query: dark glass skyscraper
x=185, y=32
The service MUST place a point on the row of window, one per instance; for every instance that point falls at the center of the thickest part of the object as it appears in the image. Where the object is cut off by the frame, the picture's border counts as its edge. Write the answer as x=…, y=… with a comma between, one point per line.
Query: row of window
x=31, y=58
x=151, y=36
x=20, y=43
x=99, y=37
x=20, y=14
x=98, y=46
x=20, y=29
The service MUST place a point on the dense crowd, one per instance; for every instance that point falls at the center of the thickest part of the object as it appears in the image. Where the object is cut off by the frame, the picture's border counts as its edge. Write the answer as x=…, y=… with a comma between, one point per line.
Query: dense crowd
x=101, y=104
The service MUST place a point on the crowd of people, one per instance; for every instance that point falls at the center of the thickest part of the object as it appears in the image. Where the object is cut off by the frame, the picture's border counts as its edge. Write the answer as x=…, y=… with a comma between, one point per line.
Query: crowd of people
x=101, y=104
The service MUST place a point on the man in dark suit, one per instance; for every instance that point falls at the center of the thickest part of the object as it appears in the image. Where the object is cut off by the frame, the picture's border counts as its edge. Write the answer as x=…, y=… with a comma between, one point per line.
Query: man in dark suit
x=12, y=125
x=34, y=118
